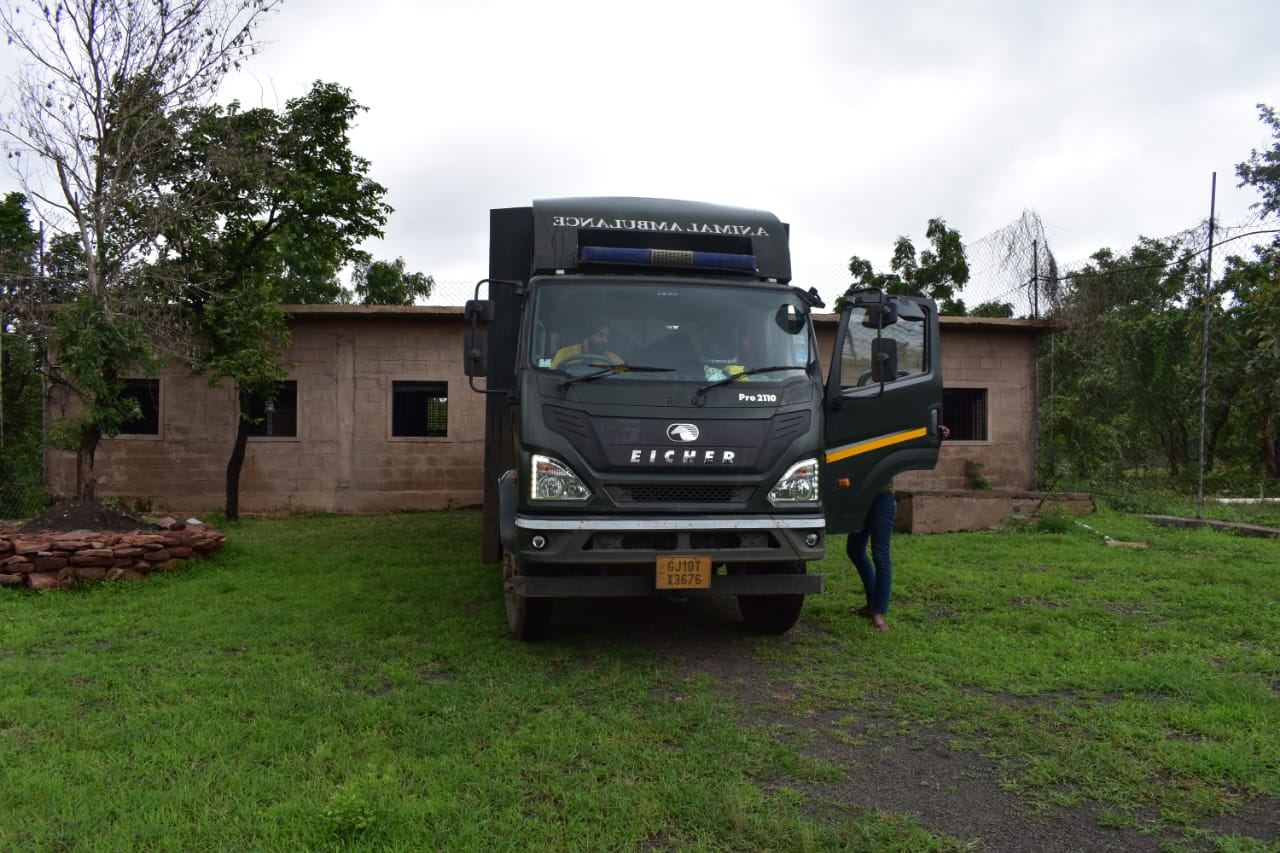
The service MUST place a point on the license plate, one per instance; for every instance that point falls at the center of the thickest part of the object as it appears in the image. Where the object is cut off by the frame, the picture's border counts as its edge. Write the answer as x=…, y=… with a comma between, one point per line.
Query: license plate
x=684, y=572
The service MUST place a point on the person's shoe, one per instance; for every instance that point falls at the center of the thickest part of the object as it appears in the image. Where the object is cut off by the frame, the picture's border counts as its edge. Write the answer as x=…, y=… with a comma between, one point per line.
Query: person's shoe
x=864, y=611
x=877, y=620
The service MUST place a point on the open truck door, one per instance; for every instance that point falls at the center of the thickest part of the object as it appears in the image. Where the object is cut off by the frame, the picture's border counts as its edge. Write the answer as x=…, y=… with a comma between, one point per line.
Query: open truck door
x=883, y=401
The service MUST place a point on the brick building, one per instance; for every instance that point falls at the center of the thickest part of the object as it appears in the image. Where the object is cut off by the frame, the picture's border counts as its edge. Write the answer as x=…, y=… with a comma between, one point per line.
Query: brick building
x=377, y=416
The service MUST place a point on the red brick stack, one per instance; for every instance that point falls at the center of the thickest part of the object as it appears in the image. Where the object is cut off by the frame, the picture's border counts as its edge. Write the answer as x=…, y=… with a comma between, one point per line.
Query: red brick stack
x=50, y=560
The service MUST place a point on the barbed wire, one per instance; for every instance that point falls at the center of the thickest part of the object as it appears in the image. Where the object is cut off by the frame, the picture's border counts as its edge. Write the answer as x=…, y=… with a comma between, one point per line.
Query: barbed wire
x=1014, y=265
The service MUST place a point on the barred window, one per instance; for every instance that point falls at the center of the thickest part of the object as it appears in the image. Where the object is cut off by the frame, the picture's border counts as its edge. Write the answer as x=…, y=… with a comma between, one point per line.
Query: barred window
x=146, y=393
x=964, y=412
x=276, y=417
x=419, y=409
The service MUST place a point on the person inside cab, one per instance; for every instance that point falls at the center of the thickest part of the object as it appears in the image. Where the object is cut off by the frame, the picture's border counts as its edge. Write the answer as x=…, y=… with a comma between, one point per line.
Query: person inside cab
x=591, y=350
x=720, y=353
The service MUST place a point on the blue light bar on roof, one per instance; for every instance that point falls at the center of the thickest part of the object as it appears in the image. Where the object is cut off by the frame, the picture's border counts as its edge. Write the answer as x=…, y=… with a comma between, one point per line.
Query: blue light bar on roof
x=667, y=258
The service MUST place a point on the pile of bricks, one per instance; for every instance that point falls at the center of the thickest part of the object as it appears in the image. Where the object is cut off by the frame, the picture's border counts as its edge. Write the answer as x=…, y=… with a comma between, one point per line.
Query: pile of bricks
x=52, y=560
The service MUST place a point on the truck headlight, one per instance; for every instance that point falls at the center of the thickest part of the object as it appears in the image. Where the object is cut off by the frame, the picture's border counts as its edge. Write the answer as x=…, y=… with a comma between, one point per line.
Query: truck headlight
x=798, y=485
x=552, y=480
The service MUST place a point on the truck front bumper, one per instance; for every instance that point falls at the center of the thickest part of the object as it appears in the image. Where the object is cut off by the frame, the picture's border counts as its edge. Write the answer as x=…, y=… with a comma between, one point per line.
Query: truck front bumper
x=640, y=586
x=615, y=557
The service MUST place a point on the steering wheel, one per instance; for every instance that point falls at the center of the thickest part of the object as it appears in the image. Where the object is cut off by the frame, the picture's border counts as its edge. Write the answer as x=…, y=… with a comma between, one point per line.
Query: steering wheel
x=591, y=359
x=865, y=377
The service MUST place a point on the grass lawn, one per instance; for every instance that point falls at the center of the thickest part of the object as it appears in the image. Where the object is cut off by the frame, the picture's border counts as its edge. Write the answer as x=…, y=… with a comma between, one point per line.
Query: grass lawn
x=347, y=683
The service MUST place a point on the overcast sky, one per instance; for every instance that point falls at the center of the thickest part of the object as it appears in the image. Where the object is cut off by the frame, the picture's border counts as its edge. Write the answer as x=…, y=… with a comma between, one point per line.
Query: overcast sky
x=853, y=121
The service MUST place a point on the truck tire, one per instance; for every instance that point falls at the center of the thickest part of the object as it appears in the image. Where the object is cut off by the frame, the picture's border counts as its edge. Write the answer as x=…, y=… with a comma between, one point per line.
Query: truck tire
x=528, y=618
x=770, y=614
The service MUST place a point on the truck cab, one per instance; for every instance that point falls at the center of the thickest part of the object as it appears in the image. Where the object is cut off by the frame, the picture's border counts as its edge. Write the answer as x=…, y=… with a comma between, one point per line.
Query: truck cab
x=657, y=421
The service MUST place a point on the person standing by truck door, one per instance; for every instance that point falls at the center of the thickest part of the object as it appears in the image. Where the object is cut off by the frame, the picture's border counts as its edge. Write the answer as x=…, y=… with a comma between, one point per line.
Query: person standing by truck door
x=876, y=572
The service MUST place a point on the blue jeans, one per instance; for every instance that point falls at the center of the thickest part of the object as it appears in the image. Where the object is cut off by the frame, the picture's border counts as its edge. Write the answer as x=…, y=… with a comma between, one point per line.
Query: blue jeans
x=876, y=572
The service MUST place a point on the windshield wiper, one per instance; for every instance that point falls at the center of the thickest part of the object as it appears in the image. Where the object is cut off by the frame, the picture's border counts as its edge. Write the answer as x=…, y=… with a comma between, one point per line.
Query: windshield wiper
x=609, y=370
x=754, y=370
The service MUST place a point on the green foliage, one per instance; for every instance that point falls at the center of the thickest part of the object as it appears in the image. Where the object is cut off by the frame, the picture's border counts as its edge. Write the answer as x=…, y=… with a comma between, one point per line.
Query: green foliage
x=20, y=386
x=993, y=309
x=329, y=205
x=1255, y=286
x=939, y=272
x=21, y=484
x=1127, y=373
x=106, y=96
x=1054, y=521
x=359, y=806
x=1252, y=347
x=22, y=492
x=1131, y=318
x=973, y=475
x=285, y=200
x=19, y=243
x=387, y=283
x=285, y=204
x=241, y=335
x=99, y=347
x=65, y=270
x=1262, y=170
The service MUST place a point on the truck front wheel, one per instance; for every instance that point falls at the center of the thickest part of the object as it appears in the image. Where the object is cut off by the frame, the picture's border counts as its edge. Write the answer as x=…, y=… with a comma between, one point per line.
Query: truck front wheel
x=770, y=614
x=528, y=618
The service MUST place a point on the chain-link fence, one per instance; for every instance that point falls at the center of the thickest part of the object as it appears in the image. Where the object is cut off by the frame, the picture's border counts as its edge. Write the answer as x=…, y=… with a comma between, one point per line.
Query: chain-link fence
x=22, y=489
x=1140, y=387
x=22, y=433
x=1155, y=376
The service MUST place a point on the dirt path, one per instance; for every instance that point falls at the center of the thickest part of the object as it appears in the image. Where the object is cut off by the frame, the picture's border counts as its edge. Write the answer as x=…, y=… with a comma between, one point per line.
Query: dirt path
x=956, y=793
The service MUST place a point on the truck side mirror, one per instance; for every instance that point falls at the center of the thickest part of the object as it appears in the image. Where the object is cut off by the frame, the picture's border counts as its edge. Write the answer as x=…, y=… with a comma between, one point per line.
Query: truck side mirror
x=789, y=319
x=908, y=309
x=880, y=315
x=479, y=310
x=475, y=348
x=884, y=360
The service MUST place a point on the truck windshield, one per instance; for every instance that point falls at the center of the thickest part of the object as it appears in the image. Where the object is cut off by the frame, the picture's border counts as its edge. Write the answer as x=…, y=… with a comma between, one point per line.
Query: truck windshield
x=668, y=330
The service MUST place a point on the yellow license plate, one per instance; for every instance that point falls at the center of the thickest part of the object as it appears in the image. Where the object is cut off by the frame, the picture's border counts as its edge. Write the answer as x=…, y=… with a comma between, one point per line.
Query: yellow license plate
x=684, y=572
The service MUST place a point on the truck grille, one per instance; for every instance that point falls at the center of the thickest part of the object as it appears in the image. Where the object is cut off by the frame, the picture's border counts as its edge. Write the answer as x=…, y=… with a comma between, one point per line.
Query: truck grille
x=702, y=541
x=681, y=493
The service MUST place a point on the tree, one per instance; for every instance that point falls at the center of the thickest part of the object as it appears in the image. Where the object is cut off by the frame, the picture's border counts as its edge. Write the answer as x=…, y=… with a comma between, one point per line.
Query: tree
x=1254, y=323
x=938, y=272
x=387, y=283
x=20, y=392
x=99, y=89
x=1128, y=369
x=19, y=245
x=1127, y=378
x=1262, y=170
x=286, y=204
x=993, y=309
x=1255, y=287
x=64, y=270
x=242, y=333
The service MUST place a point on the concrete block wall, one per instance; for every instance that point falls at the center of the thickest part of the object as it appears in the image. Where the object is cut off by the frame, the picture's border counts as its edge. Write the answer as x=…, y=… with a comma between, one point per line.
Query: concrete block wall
x=1001, y=360
x=344, y=458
